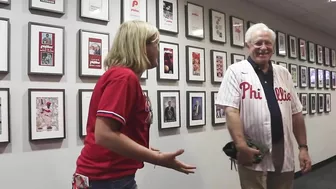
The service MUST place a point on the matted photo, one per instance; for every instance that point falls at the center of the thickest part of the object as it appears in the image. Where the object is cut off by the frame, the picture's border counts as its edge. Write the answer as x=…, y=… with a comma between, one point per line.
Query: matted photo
x=217, y=26
x=45, y=49
x=312, y=77
x=281, y=45
x=94, y=47
x=283, y=64
x=84, y=98
x=96, y=9
x=168, y=68
x=4, y=115
x=133, y=10
x=319, y=54
x=303, y=76
x=168, y=19
x=46, y=114
x=311, y=52
x=326, y=56
x=304, y=102
x=293, y=69
x=195, y=63
x=327, y=79
x=55, y=6
x=312, y=103
x=4, y=45
x=169, y=109
x=327, y=106
x=194, y=18
x=237, y=32
x=320, y=78
x=218, y=65
x=292, y=47
x=196, y=108
x=333, y=58
x=217, y=112
x=320, y=102
x=237, y=57
x=333, y=80
x=302, y=49
x=5, y=2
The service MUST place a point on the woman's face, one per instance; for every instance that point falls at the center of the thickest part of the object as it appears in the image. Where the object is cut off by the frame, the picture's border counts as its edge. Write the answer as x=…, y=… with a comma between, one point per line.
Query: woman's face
x=152, y=49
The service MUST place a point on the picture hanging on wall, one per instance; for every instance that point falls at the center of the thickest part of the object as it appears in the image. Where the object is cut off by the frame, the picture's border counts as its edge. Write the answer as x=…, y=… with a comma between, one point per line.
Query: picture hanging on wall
x=327, y=79
x=4, y=115
x=167, y=11
x=292, y=46
x=194, y=20
x=5, y=2
x=217, y=26
x=320, y=101
x=249, y=24
x=326, y=56
x=319, y=54
x=168, y=68
x=144, y=75
x=237, y=57
x=312, y=103
x=46, y=49
x=218, y=113
x=4, y=45
x=303, y=76
x=304, y=102
x=218, y=65
x=281, y=45
x=311, y=52
x=84, y=97
x=327, y=102
x=133, y=10
x=94, y=47
x=195, y=64
x=320, y=78
x=312, y=77
x=46, y=114
x=333, y=58
x=302, y=49
x=48, y=5
x=333, y=80
x=97, y=10
x=169, y=109
x=196, y=108
x=283, y=64
x=293, y=69
x=237, y=31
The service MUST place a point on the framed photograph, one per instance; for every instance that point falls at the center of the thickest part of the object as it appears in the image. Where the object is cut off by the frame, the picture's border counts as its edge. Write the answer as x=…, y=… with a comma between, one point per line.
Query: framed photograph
x=55, y=6
x=194, y=17
x=327, y=106
x=97, y=10
x=237, y=57
x=302, y=49
x=304, y=102
x=293, y=69
x=312, y=77
x=319, y=54
x=195, y=64
x=333, y=80
x=311, y=52
x=326, y=56
x=312, y=103
x=5, y=2
x=133, y=10
x=217, y=112
x=283, y=64
x=167, y=11
x=333, y=58
x=45, y=49
x=249, y=24
x=292, y=47
x=144, y=75
x=4, y=45
x=320, y=101
x=237, y=30
x=218, y=65
x=320, y=78
x=46, y=114
x=217, y=26
x=94, y=47
x=196, y=108
x=169, y=109
x=84, y=97
x=303, y=76
x=327, y=78
x=168, y=68
x=4, y=115
x=281, y=45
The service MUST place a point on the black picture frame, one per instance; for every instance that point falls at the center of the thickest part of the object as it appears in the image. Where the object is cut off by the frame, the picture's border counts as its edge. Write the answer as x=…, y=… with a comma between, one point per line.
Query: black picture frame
x=283, y=64
x=281, y=44
x=190, y=119
x=215, y=78
x=189, y=34
x=213, y=28
x=217, y=114
x=327, y=56
x=95, y=17
x=292, y=46
x=312, y=78
x=320, y=103
x=233, y=42
x=236, y=57
x=161, y=74
x=304, y=101
x=333, y=80
x=5, y=2
x=293, y=69
x=159, y=17
x=122, y=12
x=327, y=79
x=303, y=76
x=319, y=54
x=327, y=104
x=302, y=48
x=311, y=52
x=312, y=103
x=32, y=7
x=5, y=107
x=202, y=75
x=81, y=115
x=320, y=78
x=164, y=123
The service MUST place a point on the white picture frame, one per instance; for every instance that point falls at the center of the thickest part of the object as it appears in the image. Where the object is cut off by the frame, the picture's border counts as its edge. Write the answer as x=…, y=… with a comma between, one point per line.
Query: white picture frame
x=218, y=61
x=217, y=112
x=217, y=26
x=134, y=10
x=95, y=9
x=5, y=115
x=169, y=109
x=194, y=18
x=195, y=64
x=84, y=98
x=55, y=6
x=168, y=18
x=196, y=108
x=168, y=68
x=4, y=45
x=237, y=30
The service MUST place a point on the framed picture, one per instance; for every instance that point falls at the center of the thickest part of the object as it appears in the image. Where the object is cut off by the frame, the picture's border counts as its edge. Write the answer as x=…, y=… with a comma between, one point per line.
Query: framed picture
x=196, y=110
x=217, y=112
x=133, y=10
x=217, y=26
x=237, y=32
x=237, y=57
x=312, y=77
x=4, y=115
x=194, y=17
x=144, y=75
x=302, y=49
x=293, y=69
x=45, y=49
x=249, y=24
x=320, y=100
x=292, y=47
x=327, y=105
x=46, y=114
x=97, y=10
x=281, y=45
x=320, y=78
x=283, y=64
x=311, y=52
x=303, y=76
x=304, y=102
x=333, y=58
x=327, y=78
x=4, y=45
x=84, y=98
x=326, y=56
x=195, y=64
x=312, y=103
x=319, y=54
x=218, y=65
x=168, y=68
x=5, y=2
x=333, y=80
x=55, y=6
x=94, y=47
x=169, y=109
x=167, y=11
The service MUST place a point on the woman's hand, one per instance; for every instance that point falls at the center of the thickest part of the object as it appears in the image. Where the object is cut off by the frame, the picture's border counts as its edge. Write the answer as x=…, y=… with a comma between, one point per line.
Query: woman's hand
x=168, y=159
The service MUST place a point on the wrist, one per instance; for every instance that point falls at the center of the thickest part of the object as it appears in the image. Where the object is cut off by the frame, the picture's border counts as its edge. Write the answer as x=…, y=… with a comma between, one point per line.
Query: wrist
x=241, y=145
x=303, y=147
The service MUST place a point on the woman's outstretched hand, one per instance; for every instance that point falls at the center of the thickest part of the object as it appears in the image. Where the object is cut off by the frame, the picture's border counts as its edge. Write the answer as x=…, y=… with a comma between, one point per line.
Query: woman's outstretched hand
x=168, y=159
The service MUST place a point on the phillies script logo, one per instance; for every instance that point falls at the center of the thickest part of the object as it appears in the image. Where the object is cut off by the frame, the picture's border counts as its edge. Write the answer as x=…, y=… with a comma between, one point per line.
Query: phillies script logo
x=248, y=90
x=282, y=95
x=135, y=3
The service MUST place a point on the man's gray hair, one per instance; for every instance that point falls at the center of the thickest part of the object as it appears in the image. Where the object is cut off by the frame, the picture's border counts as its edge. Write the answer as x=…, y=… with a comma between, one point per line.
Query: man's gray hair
x=250, y=33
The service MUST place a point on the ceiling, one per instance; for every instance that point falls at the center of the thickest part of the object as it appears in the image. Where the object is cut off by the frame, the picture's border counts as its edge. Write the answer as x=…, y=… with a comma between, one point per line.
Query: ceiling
x=317, y=14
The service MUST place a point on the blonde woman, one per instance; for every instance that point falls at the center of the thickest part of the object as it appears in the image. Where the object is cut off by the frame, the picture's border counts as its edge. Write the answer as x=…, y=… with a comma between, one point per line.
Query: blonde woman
x=117, y=141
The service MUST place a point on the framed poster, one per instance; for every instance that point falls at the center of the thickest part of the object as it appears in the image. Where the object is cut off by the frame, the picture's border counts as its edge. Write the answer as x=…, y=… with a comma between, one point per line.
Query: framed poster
x=194, y=20
x=281, y=45
x=46, y=114
x=168, y=68
x=169, y=109
x=237, y=57
x=4, y=45
x=237, y=32
x=5, y=2
x=320, y=78
x=144, y=75
x=167, y=19
x=333, y=58
x=312, y=103
x=218, y=65
x=326, y=56
x=45, y=49
x=302, y=49
x=319, y=54
x=320, y=102
x=195, y=64
x=196, y=108
x=217, y=112
x=327, y=105
x=55, y=6
x=327, y=79
x=283, y=64
x=293, y=69
x=303, y=75
x=133, y=10
x=333, y=80
x=312, y=77
x=94, y=47
x=311, y=52
x=84, y=98
x=217, y=26
x=4, y=115
x=304, y=102
x=95, y=9
x=292, y=47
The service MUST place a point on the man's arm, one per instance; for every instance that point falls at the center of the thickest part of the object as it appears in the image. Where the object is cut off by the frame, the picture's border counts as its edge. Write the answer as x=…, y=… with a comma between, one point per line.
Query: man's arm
x=299, y=129
x=235, y=127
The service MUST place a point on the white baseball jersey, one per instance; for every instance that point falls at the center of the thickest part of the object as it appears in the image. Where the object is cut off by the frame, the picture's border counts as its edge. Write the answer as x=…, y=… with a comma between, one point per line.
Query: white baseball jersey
x=242, y=89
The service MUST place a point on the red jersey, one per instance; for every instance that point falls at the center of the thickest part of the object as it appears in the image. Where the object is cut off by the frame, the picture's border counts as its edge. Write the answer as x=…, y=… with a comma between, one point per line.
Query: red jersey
x=117, y=95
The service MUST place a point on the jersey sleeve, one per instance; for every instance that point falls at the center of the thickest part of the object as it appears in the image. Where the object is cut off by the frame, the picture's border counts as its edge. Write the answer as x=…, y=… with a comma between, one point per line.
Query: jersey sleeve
x=296, y=105
x=229, y=92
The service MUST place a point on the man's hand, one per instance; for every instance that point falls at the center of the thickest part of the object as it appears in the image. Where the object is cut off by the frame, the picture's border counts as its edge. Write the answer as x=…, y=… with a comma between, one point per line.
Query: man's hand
x=305, y=162
x=168, y=160
x=245, y=155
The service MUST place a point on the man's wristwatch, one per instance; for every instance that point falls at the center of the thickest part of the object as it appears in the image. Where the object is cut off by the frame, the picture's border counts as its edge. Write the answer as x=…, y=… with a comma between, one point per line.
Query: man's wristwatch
x=303, y=146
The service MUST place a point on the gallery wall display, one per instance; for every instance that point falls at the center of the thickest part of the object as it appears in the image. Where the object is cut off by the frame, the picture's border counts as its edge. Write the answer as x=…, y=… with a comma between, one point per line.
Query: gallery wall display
x=48, y=5
x=217, y=112
x=84, y=97
x=196, y=108
x=169, y=109
x=194, y=20
x=195, y=64
x=4, y=115
x=98, y=10
x=237, y=31
x=218, y=61
x=167, y=16
x=94, y=47
x=217, y=25
x=46, y=114
x=133, y=10
x=4, y=45
x=45, y=49
x=5, y=2
x=168, y=65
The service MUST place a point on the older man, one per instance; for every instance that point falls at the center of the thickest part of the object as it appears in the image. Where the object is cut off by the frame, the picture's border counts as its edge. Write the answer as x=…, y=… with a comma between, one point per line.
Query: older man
x=261, y=104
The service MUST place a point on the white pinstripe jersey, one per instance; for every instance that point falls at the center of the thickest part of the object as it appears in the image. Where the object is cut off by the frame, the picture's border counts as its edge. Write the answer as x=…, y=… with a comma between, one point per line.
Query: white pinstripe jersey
x=242, y=89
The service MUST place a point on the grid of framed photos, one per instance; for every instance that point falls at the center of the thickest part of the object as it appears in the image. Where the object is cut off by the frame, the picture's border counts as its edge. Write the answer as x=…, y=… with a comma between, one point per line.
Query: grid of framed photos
x=313, y=103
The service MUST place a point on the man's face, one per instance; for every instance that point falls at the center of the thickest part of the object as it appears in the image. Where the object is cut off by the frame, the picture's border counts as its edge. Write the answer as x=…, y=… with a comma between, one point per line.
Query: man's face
x=261, y=47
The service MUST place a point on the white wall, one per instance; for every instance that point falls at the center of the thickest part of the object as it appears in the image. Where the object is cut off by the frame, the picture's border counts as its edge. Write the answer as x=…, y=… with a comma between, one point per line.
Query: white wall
x=41, y=165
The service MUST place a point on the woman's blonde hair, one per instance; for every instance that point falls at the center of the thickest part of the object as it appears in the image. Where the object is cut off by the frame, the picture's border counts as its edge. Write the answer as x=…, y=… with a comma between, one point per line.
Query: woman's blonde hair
x=129, y=46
